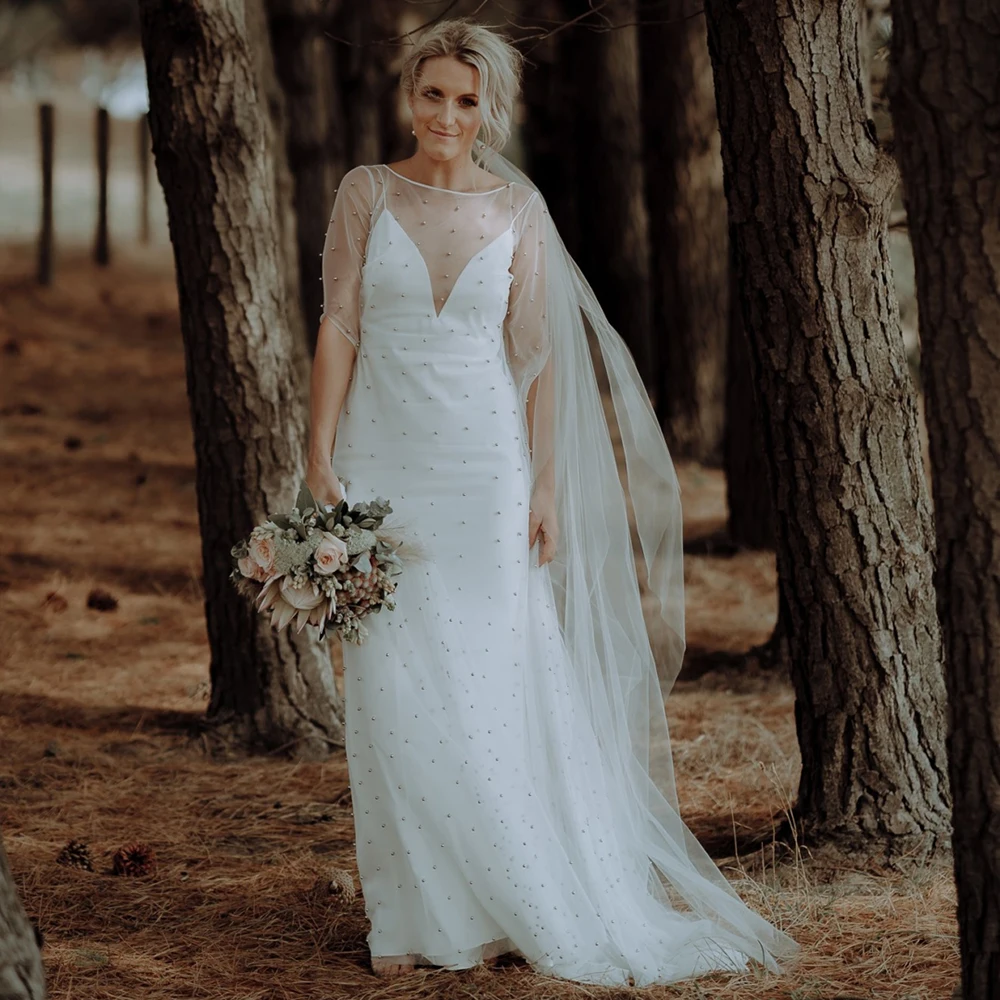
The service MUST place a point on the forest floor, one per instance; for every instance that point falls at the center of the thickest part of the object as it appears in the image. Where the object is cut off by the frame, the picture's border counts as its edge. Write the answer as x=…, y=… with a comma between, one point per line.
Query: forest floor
x=98, y=711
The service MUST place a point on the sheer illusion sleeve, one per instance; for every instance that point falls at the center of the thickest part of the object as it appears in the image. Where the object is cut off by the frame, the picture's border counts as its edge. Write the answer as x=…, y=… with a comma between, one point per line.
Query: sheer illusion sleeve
x=526, y=333
x=344, y=251
x=527, y=336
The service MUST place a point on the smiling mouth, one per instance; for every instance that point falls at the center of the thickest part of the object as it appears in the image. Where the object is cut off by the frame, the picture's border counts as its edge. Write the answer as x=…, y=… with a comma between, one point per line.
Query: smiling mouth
x=444, y=135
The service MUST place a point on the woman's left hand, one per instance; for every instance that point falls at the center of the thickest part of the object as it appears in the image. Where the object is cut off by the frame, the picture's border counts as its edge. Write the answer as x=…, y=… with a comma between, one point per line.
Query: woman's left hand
x=543, y=525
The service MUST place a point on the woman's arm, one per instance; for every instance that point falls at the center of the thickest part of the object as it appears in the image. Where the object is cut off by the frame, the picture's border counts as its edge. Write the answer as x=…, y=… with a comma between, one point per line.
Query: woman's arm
x=339, y=334
x=529, y=353
x=333, y=365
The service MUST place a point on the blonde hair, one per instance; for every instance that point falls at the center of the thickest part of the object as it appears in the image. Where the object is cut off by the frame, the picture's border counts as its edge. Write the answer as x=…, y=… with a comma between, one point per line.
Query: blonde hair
x=498, y=62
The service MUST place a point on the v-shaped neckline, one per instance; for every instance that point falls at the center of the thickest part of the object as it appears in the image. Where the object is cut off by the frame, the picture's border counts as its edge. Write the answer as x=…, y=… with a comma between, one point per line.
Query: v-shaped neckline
x=427, y=272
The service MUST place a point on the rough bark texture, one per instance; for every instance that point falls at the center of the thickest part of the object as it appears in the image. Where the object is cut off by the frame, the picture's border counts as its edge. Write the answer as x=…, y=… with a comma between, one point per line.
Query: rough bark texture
x=689, y=266
x=614, y=246
x=304, y=63
x=748, y=491
x=21, y=975
x=211, y=140
x=809, y=195
x=945, y=94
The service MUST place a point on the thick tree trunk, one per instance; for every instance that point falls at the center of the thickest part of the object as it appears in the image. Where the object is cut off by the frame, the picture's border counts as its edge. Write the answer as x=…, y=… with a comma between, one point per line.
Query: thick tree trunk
x=614, y=246
x=748, y=491
x=214, y=157
x=548, y=132
x=21, y=975
x=689, y=267
x=945, y=96
x=304, y=63
x=809, y=195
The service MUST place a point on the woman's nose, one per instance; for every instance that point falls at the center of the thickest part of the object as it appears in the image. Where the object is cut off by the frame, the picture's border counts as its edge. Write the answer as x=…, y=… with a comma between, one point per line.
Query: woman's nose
x=447, y=113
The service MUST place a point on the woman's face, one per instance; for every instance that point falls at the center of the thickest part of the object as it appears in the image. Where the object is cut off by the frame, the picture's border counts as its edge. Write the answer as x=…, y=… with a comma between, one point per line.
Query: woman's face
x=445, y=106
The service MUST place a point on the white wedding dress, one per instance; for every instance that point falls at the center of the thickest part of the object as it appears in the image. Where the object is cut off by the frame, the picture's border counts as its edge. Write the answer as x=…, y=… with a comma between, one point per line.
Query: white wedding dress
x=487, y=816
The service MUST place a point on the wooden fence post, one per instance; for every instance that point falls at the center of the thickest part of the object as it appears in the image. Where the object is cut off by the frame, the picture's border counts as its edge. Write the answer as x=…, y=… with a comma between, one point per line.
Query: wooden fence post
x=144, y=178
x=102, y=252
x=46, y=122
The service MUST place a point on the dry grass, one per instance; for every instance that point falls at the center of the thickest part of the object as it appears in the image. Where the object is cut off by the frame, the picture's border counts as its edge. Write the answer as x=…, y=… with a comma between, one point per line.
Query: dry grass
x=100, y=735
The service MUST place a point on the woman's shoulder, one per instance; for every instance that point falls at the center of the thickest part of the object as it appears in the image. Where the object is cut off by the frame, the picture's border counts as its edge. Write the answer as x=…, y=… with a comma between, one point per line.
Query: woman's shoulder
x=363, y=180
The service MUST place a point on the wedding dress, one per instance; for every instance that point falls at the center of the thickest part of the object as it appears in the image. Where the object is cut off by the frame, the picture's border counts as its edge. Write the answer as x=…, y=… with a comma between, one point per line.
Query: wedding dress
x=494, y=811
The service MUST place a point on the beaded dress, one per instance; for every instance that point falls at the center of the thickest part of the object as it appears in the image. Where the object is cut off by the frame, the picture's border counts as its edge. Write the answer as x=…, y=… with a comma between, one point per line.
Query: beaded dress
x=487, y=818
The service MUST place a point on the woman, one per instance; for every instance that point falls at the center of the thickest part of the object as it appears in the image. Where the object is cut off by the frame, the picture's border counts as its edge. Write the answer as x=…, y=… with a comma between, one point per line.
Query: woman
x=506, y=738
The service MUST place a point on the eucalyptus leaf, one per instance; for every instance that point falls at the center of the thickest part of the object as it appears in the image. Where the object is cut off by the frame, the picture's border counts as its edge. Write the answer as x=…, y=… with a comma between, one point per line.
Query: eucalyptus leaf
x=305, y=498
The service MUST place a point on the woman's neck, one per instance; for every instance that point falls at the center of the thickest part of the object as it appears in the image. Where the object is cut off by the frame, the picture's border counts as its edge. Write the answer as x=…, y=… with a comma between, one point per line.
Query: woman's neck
x=458, y=174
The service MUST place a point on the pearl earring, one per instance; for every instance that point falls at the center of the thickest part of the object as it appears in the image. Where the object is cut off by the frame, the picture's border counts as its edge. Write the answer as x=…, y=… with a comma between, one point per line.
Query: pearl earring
x=412, y=132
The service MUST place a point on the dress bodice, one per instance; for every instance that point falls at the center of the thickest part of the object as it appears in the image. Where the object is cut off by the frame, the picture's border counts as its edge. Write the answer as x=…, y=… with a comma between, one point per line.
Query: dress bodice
x=459, y=269
x=398, y=288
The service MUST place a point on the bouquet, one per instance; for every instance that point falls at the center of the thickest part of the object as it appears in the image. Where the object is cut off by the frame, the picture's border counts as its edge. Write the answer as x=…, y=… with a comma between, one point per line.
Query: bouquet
x=329, y=566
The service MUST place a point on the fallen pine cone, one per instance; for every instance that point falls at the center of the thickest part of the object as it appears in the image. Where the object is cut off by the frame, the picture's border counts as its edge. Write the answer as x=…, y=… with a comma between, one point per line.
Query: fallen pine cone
x=134, y=859
x=342, y=884
x=337, y=884
x=76, y=854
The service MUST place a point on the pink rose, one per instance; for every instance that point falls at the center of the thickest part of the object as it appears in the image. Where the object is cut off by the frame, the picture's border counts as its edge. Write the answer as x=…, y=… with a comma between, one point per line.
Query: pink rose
x=331, y=554
x=251, y=569
x=263, y=551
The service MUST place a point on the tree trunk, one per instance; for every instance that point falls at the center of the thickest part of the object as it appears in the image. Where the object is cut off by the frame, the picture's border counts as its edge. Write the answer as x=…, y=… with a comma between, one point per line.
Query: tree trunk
x=614, y=247
x=548, y=132
x=304, y=63
x=363, y=75
x=946, y=105
x=21, y=975
x=748, y=492
x=284, y=184
x=687, y=227
x=214, y=157
x=809, y=195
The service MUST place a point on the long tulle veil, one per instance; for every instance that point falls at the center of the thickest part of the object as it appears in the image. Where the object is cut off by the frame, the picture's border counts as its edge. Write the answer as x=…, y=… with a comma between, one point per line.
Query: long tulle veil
x=596, y=575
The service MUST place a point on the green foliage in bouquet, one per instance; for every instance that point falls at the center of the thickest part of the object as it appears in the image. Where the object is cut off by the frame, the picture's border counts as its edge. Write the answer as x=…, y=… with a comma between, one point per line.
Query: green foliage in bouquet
x=325, y=565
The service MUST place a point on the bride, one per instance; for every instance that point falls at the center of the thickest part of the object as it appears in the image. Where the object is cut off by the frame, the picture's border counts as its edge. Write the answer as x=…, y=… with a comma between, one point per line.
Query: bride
x=506, y=738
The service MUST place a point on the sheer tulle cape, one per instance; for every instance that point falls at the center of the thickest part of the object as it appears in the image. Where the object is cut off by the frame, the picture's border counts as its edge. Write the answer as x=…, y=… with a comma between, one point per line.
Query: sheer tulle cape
x=555, y=333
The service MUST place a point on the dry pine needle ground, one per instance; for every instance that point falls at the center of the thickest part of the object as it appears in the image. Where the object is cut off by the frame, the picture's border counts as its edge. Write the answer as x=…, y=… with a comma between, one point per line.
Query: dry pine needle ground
x=100, y=702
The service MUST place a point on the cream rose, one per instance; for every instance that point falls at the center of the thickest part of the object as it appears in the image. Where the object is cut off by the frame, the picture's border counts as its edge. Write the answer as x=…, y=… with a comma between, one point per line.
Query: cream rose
x=263, y=552
x=331, y=554
x=251, y=569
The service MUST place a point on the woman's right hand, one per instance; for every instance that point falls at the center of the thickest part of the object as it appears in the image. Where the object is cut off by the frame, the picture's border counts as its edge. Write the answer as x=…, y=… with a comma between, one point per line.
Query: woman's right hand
x=324, y=484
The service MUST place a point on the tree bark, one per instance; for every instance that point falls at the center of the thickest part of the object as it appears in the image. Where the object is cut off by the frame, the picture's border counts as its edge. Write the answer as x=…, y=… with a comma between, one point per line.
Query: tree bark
x=689, y=266
x=304, y=63
x=748, y=492
x=614, y=245
x=809, y=194
x=945, y=94
x=21, y=975
x=215, y=159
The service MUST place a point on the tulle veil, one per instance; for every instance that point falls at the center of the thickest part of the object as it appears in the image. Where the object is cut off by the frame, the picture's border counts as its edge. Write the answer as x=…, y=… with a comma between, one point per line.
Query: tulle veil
x=596, y=573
